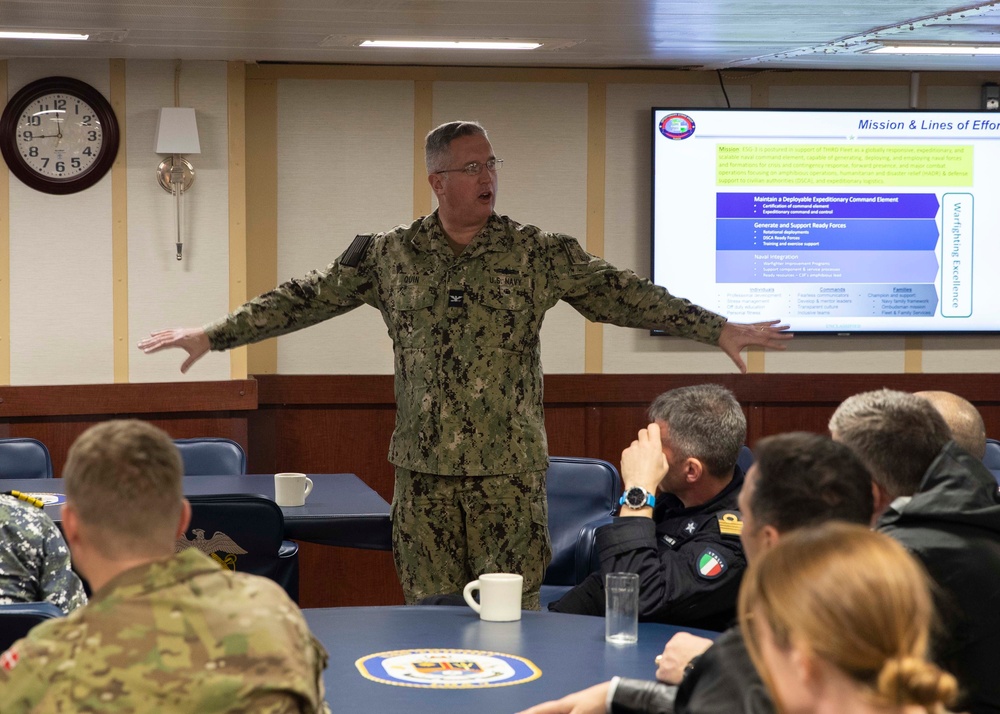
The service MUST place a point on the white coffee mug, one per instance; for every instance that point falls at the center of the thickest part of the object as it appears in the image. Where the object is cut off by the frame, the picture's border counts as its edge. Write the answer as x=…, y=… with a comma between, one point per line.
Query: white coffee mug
x=499, y=596
x=291, y=489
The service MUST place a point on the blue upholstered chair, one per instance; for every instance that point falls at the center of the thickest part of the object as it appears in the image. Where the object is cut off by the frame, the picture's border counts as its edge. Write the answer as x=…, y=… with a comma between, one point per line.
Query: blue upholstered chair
x=244, y=533
x=19, y=617
x=745, y=459
x=24, y=458
x=582, y=495
x=991, y=459
x=210, y=456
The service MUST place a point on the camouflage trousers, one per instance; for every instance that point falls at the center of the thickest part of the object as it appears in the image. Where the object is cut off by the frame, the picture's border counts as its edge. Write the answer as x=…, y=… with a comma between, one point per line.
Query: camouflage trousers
x=448, y=530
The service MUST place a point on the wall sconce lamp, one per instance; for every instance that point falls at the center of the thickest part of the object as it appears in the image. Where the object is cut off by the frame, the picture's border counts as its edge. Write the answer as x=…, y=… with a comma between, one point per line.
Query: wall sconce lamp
x=176, y=134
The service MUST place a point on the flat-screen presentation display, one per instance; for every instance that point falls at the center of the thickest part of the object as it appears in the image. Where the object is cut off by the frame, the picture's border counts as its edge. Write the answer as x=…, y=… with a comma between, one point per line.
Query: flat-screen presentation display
x=833, y=221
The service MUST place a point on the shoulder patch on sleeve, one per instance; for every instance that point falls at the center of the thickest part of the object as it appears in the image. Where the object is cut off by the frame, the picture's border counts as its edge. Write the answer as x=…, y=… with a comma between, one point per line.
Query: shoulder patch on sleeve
x=357, y=250
x=710, y=564
x=574, y=251
x=9, y=659
x=730, y=523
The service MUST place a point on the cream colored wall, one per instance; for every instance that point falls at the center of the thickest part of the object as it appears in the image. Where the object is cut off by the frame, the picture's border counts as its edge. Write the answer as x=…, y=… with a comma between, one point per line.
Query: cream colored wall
x=60, y=264
x=345, y=166
x=163, y=291
x=347, y=155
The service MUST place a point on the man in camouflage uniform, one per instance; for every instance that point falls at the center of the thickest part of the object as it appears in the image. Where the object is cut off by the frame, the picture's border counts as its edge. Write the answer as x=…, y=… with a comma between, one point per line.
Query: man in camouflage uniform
x=34, y=560
x=463, y=292
x=162, y=632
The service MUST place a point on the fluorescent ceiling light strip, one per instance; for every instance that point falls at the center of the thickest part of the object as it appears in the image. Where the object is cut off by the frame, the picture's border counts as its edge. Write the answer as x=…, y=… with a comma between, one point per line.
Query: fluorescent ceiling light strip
x=937, y=50
x=453, y=45
x=22, y=35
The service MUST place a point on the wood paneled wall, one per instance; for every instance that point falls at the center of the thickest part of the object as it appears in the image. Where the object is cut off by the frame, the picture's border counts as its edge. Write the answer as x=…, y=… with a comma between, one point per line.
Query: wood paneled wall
x=323, y=424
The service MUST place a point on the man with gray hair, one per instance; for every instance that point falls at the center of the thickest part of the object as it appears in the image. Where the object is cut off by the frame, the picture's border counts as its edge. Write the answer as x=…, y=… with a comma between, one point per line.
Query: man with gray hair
x=463, y=293
x=164, y=631
x=942, y=504
x=679, y=525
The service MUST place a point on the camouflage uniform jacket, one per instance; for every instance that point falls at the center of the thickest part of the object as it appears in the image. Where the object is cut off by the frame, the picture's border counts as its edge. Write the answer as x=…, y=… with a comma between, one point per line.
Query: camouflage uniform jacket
x=34, y=560
x=465, y=331
x=177, y=635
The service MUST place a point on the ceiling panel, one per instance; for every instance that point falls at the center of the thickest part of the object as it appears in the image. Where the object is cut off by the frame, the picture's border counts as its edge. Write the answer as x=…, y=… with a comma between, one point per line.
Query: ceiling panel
x=610, y=33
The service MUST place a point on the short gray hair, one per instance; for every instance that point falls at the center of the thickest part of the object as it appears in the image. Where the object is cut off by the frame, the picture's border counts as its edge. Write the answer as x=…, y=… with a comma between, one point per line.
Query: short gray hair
x=705, y=422
x=896, y=434
x=438, y=141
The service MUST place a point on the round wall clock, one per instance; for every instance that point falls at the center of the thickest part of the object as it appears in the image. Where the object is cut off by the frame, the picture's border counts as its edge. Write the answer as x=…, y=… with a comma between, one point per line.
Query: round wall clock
x=59, y=135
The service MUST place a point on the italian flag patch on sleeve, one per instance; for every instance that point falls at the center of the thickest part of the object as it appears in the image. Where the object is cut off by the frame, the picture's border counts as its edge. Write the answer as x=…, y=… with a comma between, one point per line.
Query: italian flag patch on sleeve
x=710, y=564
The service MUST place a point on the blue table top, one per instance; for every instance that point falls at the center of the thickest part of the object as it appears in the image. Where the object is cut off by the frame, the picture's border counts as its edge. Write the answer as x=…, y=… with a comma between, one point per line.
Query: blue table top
x=569, y=650
x=342, y=509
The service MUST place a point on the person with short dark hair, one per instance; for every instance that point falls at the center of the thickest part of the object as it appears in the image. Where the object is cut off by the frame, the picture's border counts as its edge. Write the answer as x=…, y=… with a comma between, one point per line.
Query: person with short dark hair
x=163, y=631
x=678, y=526
x=797, y=481
x=942, y=504
x=463, y=293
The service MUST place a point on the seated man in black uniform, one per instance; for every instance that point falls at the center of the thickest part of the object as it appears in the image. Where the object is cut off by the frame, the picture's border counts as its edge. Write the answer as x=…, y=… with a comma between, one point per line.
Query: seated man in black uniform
x=798, y=481
x=678, y=527
x=941, y=503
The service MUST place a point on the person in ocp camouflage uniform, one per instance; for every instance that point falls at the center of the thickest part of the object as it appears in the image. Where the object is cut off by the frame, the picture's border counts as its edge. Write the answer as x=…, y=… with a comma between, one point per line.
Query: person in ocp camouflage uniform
x=163, y=632
x=34, y=560
x=463, y=292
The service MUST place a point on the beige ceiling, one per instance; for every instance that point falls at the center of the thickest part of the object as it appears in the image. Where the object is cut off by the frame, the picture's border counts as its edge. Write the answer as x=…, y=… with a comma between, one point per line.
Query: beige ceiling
x=711, y=34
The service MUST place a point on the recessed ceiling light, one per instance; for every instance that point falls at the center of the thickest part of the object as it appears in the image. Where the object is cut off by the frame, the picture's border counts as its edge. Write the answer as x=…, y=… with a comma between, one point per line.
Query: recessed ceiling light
x=25, y=35
x=454, y=45
x=917, y=49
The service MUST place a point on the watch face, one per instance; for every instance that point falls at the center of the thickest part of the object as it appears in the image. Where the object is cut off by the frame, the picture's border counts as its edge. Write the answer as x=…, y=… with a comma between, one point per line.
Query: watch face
x=635, y=497
x=59, y=136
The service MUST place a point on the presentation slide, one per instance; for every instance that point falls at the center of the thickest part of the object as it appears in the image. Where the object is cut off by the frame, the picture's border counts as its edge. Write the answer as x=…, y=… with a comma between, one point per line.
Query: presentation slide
x=831, y=221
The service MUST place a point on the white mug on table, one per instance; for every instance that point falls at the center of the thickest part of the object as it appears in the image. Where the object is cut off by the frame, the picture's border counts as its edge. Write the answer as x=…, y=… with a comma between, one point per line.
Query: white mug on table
x=499, y=596
x=291, y=489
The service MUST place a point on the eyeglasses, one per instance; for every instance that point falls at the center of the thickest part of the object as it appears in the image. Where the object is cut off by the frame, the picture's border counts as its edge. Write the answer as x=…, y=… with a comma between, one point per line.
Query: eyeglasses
x=476, y=168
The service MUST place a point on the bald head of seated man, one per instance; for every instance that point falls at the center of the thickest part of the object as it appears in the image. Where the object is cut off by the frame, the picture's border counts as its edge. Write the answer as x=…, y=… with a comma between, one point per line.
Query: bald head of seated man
x=962, y=418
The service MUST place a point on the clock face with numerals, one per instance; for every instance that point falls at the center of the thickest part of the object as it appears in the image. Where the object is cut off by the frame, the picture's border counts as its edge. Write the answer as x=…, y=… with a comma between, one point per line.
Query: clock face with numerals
x=59, y=135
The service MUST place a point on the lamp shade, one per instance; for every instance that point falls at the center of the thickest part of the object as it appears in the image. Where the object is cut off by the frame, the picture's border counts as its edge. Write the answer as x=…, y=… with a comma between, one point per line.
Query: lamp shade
x=177, y=132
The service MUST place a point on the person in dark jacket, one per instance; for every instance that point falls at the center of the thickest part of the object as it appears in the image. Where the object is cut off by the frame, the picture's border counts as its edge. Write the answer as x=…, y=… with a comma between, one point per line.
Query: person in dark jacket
x=798, y=481
x=942, y=504
x=678, y=527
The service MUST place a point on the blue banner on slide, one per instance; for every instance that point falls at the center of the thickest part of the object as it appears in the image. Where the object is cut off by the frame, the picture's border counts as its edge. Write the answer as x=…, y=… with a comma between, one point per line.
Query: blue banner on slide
x=836, y=266
x=853, y=234
x=771, y=204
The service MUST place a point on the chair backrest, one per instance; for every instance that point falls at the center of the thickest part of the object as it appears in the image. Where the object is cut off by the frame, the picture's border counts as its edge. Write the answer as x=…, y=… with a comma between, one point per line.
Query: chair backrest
x=241, y=532
x=211, y=456
x=24, y=458
x=579, y=491
x=19, y=617
x=745, y=459
x=991, y=459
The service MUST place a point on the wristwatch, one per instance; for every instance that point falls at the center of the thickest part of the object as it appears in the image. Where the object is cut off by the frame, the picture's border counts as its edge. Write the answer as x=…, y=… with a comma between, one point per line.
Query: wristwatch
x=636, y=498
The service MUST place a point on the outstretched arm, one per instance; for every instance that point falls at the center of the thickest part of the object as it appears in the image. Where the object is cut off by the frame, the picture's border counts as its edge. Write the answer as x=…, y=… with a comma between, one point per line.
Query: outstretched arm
x=192, y=340
x=736, y=336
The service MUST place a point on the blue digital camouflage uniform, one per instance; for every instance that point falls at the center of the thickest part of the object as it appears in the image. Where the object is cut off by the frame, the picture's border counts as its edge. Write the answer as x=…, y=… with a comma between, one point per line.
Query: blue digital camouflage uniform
x=178, y=635
x=465, y=333
x=34, y=559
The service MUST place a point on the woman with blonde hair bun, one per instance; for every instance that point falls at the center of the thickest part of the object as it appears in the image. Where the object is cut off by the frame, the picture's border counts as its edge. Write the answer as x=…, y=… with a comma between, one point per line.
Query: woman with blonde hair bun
x=837, y=619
